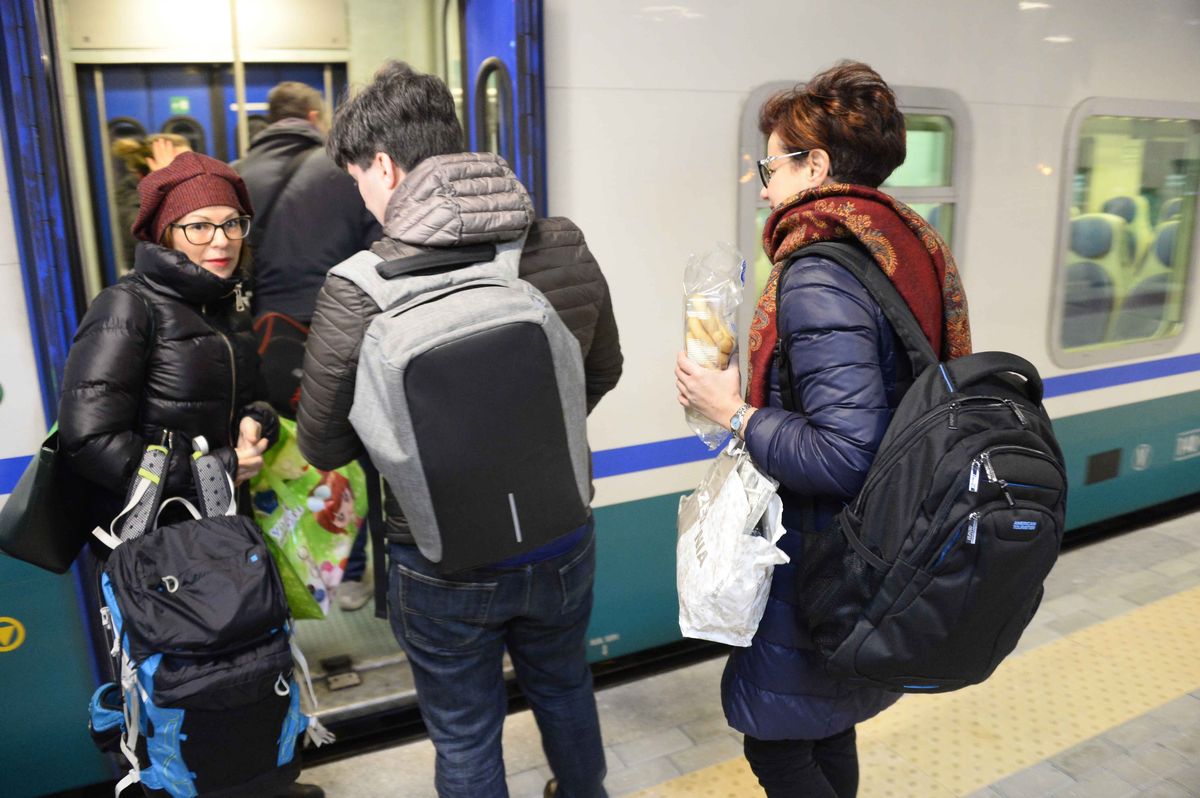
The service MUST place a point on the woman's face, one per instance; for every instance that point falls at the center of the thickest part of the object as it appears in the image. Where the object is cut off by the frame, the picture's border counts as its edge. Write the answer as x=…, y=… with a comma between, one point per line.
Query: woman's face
x=789, y=176
x=220, y=255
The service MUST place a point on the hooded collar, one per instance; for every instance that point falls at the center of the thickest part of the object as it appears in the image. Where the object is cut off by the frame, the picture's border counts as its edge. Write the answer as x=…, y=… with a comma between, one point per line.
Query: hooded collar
x=287, y=134
x=170, y=273
x=462, y=198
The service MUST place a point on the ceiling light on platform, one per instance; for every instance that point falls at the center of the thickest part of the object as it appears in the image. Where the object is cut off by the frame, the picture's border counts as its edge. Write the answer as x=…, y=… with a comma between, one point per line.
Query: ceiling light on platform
x=1028, y=5
x=1059, y=39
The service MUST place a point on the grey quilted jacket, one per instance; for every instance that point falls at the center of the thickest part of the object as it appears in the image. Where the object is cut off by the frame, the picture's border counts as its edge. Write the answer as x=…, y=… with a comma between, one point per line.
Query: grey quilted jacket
x=448, y=201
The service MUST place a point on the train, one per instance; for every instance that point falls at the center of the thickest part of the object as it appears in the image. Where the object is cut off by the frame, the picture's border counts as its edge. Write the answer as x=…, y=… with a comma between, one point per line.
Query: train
x=1055, y=145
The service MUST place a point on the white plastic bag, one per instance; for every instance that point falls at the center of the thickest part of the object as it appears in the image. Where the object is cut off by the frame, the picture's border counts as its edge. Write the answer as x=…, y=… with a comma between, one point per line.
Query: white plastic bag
x=726, y=550
x=712, y=291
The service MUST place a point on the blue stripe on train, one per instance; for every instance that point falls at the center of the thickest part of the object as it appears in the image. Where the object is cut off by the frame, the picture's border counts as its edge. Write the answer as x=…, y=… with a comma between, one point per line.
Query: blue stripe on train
x=677, y=451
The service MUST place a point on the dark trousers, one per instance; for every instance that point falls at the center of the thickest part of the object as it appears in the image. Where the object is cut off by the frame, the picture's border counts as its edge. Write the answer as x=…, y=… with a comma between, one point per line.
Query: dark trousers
x=825, y=768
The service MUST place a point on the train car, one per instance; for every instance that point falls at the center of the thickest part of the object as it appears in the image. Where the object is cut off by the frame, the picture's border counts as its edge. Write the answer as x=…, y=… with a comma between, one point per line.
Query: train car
x=1056, y=145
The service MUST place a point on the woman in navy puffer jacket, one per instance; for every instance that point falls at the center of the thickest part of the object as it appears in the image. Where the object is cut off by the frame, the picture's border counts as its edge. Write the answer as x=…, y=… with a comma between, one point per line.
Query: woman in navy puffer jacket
x=831, y=142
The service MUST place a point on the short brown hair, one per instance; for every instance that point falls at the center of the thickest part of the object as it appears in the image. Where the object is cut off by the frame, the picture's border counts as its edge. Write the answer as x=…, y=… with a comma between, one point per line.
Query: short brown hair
x=848, y=111
x=292, y=100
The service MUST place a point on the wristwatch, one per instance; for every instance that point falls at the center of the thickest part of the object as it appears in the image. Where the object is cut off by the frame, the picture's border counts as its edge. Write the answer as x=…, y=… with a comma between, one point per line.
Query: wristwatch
x=739, y=418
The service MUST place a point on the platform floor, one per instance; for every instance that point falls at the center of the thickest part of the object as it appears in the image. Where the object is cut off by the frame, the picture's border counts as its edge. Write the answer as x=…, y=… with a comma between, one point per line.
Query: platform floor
x=1100, y=700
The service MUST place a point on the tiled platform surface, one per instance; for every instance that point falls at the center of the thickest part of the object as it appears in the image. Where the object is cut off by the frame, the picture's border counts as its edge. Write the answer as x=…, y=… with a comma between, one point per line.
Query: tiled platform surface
x=1101, y=699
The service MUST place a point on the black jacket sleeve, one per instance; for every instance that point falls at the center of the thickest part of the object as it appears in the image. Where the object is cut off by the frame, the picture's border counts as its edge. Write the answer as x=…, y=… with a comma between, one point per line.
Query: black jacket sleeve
x=102, y=389
x=603, y=363
x=340, y=320
x=556, y=261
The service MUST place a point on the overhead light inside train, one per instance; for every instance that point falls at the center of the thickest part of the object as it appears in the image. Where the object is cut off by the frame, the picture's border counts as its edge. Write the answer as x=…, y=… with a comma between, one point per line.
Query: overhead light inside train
x=1028, y=5
x=681, y=11
x=1059, y=39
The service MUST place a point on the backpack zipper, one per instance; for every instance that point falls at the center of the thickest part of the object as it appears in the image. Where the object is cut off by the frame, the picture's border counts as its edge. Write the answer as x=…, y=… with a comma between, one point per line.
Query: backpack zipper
x=900, y=445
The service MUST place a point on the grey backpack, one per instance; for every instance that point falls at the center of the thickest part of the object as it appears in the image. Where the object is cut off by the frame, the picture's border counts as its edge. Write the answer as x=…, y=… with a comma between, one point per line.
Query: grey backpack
x=470, y=401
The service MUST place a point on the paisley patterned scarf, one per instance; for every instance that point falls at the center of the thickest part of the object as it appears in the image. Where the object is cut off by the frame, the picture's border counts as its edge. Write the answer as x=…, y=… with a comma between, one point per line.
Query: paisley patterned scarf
x=906, y=247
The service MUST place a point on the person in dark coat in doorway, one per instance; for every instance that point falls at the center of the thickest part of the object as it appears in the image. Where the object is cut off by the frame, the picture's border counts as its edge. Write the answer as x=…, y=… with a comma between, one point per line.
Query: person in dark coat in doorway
x=308, y=220
x=831, y=143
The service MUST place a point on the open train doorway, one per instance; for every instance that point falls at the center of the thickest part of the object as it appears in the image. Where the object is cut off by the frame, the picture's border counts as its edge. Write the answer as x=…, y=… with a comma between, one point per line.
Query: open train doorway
x=123, y=105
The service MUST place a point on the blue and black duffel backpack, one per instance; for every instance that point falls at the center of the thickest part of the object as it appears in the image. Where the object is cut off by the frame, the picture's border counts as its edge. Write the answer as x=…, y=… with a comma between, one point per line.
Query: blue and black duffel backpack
x=206, y=703
x=925, y=581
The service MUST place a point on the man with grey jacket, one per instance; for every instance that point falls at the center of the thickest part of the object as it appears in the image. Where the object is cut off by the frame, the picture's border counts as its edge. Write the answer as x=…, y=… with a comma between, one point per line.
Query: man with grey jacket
x=401, y=141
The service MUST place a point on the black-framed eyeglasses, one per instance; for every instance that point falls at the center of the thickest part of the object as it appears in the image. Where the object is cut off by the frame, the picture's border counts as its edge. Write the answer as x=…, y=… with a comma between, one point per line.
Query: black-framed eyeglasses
x=764, y=172
x=203, y=232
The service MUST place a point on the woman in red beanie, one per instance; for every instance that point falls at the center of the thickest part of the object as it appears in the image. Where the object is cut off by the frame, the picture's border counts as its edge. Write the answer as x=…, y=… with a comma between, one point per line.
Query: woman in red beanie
x=169, y=346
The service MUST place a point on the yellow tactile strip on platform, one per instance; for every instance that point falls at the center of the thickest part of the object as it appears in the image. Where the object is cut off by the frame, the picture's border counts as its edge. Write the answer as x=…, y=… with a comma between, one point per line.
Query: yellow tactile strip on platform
x=1035, y=705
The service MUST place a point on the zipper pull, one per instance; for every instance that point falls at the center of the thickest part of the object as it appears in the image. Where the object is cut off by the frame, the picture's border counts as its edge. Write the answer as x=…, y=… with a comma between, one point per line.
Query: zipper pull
x=973, y=484
x=972, y=527
x=242, y=300
x=1008, y=496
x=954, y=415
x=105, y=618
x=987, y=465
x=1016, y=412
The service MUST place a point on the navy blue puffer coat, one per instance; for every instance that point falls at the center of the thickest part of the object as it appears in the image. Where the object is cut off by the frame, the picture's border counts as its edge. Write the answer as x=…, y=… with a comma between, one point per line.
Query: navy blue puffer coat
x=844, y=363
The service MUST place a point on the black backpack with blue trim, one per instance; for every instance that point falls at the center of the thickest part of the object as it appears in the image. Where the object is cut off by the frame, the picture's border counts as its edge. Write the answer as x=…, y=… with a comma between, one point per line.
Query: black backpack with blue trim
x=205, y=702
x=925, y=581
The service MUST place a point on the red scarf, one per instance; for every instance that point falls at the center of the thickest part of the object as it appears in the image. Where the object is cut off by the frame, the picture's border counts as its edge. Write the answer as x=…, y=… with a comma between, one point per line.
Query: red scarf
x=906, y=247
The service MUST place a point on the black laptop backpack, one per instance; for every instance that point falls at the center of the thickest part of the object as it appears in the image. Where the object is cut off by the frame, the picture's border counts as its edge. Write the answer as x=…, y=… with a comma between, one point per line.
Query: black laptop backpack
x=925, y=581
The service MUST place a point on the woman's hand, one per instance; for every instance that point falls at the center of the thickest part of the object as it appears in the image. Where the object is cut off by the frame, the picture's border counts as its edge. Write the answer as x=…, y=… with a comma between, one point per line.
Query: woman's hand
x=163, y=151
x=714, y=394
x=250, y=447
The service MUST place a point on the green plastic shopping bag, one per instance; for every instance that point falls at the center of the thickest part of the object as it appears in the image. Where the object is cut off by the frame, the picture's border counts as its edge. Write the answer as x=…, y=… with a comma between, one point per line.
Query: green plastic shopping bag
x=309, y=518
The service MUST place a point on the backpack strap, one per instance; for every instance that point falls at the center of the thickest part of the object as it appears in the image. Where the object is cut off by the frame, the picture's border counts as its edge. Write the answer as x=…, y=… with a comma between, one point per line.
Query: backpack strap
x=433, y=270
x=856, y=260
x=144, y=499
x=437, y=260
x=264, y=213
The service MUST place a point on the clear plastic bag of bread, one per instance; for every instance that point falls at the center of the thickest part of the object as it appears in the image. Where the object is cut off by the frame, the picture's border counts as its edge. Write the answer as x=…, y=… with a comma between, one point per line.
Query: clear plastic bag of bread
x=712, y=291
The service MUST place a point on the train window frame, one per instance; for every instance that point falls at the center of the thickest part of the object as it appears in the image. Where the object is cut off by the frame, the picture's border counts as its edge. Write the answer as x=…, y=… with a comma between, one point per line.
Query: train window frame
x=911, y=100
x=1117, y=351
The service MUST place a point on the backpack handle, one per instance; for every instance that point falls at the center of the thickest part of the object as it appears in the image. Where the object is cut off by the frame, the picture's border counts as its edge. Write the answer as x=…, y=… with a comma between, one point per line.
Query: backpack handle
x=973, y=368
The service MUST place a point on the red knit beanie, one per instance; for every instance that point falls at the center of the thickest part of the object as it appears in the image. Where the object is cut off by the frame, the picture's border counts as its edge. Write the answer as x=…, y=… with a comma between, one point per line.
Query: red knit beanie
x=189, y=182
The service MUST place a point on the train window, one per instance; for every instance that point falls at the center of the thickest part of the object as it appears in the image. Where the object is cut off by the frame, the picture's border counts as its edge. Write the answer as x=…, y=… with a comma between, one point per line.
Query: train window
x=125, y=127
x=932, y=179
x=191, y=129
x=928, y=164
x=1126, y=244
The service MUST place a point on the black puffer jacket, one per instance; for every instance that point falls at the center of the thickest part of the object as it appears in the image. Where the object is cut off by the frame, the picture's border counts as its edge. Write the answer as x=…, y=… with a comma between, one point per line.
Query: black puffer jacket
x=166, y=348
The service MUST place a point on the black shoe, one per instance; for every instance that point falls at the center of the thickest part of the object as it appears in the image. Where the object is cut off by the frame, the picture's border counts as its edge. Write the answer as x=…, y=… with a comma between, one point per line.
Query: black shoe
x=551, y=789
x=298, y=790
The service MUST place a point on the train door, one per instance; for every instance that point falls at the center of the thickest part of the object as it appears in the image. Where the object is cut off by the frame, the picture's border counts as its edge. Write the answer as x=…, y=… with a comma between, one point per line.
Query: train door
x=500, y=76
x=124, y=103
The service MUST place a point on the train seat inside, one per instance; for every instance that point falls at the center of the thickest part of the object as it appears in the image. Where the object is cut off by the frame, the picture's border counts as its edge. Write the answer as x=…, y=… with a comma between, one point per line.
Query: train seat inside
x=1135, y=210
x=1152, y=303
x=1170, y=210
x=1095, y=277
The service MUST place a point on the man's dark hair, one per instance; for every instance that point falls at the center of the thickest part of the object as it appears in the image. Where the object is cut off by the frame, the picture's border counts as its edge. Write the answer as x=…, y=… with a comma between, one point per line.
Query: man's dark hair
x=404, y=113
x=292, y=100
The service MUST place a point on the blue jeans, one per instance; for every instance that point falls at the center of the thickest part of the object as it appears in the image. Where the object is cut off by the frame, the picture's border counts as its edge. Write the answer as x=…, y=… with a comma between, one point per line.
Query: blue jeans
x=356, y=563
x=455, y=629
